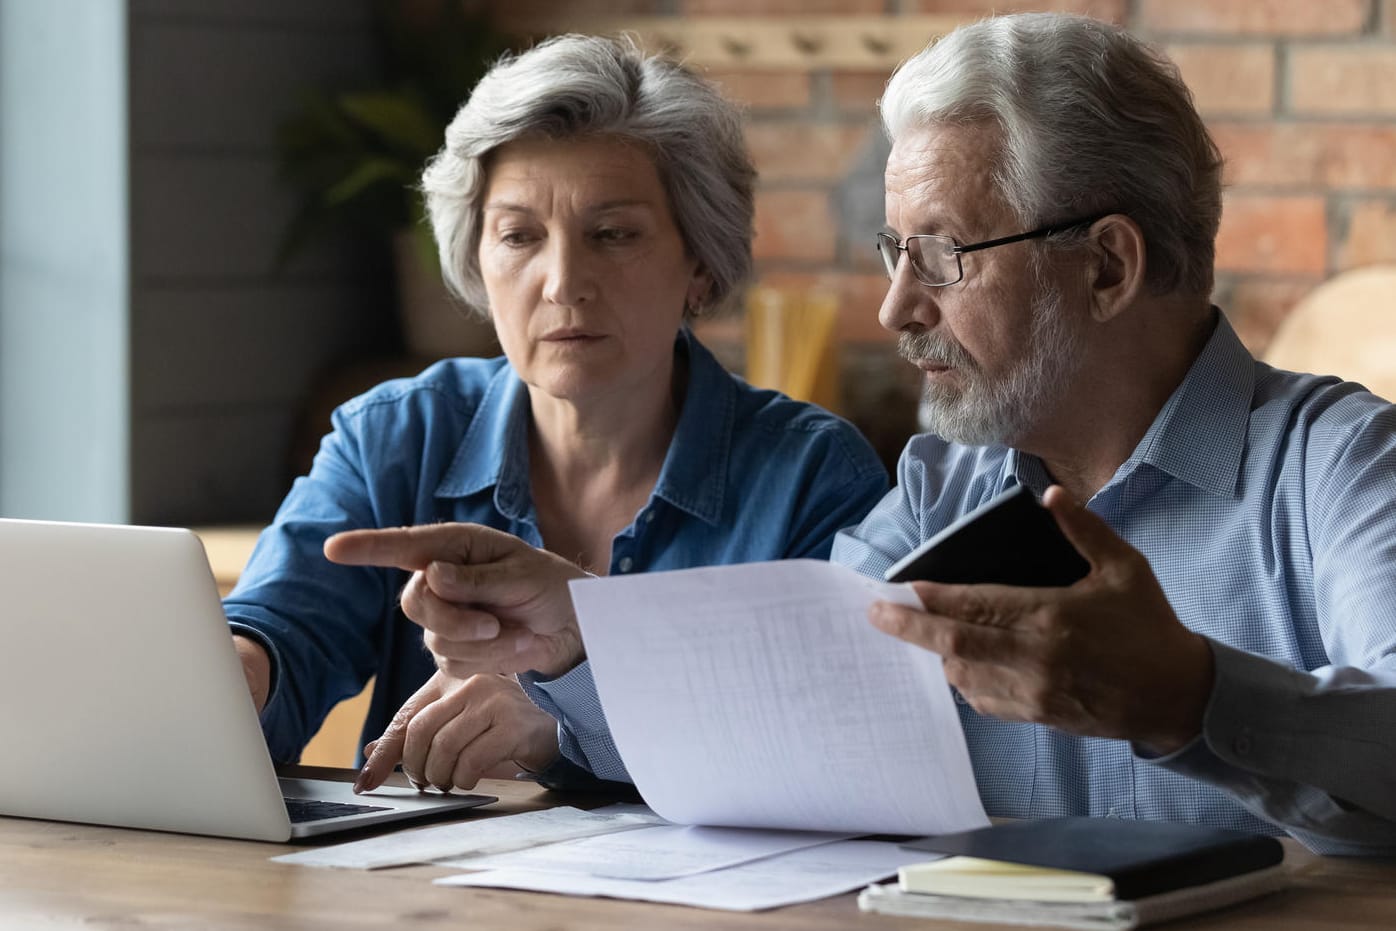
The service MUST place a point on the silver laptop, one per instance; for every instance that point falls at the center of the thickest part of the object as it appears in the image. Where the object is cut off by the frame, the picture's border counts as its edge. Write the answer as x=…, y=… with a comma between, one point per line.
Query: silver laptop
x=122, y=700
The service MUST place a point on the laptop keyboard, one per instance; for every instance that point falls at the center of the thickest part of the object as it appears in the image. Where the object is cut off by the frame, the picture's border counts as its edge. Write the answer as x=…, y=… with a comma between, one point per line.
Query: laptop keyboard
x=302, y=810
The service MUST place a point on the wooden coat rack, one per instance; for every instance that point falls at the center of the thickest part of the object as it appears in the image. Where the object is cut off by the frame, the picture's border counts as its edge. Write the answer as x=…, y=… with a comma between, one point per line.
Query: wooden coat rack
x=798, y=43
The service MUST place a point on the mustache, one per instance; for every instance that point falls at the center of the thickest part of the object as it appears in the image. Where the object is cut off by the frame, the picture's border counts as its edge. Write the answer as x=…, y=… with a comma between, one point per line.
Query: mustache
x=934, y=348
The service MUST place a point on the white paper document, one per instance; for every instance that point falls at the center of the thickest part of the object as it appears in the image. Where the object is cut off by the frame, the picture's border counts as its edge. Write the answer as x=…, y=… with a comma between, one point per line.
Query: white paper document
x=801, y=876
x=665, y=852
x=482, y=836
x=759, y=695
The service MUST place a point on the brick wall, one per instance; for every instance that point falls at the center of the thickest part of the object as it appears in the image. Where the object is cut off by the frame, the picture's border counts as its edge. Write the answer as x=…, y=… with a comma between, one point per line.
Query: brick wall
x=1301, y=98
x=1300, y=94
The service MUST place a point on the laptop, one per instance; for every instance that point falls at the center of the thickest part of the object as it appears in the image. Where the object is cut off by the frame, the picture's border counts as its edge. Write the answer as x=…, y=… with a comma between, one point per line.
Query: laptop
x=122, y=700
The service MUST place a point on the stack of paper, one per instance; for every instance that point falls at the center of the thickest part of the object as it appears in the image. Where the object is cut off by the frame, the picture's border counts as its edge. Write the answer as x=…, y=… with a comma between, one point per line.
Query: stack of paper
x=801, y=876
x=478, y=837
x=626, y=851
x=663, y=852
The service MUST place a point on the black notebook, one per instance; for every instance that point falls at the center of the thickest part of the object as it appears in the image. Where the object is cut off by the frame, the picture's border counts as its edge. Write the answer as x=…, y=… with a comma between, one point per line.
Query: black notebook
x=1140, y=858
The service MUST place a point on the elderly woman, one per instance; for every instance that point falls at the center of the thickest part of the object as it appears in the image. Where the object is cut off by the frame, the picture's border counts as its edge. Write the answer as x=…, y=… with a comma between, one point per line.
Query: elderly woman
x=591, y=200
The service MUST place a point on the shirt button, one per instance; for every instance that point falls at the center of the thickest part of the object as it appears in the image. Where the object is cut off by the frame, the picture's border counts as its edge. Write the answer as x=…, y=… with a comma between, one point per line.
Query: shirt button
x=625, y=564
x=649, y=516
x=1242, y=745
x=959, y=699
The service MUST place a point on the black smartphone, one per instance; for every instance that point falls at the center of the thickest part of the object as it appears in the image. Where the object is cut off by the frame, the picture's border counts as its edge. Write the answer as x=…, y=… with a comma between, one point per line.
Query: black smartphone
x=1009, y=540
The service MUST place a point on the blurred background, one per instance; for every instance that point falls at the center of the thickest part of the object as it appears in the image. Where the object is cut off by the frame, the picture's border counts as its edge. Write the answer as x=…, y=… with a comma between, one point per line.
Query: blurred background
x=206, y=240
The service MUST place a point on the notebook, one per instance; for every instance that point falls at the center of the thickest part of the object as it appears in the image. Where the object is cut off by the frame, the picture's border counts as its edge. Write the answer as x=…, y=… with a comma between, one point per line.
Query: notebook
x=1134, y=858
x=1082, y=873
x=122, y=700
x=1113, y=915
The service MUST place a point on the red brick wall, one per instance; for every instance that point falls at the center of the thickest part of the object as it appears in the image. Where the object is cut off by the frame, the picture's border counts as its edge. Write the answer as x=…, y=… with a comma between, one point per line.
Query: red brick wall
x=1301, y=97
x=1300, y=94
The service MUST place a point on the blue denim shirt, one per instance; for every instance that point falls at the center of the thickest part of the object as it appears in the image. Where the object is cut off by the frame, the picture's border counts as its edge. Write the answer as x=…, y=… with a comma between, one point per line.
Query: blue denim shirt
x=1265, y=501
x=750, y=475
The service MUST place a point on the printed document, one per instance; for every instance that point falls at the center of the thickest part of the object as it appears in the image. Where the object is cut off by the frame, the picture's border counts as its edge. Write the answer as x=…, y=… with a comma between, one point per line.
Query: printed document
x=759, y=695
x=479, y=836
x=801, y=876
x=665, y=852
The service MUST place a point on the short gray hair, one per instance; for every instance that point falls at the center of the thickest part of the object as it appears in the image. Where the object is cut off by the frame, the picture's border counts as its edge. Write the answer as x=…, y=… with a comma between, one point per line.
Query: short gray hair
x=1092, y=120
x=576, y=85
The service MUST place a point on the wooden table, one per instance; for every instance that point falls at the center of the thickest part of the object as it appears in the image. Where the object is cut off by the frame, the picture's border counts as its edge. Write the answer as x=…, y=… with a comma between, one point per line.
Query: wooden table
x=55, y=875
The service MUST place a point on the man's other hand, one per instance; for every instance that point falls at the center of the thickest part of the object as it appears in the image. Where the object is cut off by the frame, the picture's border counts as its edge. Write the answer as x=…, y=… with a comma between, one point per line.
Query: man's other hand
x=1105, y=657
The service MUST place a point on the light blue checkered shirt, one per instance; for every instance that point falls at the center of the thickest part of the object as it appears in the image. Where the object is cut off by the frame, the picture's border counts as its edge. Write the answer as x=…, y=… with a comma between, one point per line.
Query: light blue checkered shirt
x=1265, y=502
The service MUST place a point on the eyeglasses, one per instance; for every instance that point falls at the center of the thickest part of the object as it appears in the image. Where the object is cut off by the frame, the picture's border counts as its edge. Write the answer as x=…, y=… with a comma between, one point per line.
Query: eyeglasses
x=935, y=260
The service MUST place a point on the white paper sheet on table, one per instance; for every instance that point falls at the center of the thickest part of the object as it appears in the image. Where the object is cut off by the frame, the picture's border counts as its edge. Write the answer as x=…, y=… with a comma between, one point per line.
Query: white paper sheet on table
x=484, y=835
x=801, y=876
x=759, y=695
x=657, y=853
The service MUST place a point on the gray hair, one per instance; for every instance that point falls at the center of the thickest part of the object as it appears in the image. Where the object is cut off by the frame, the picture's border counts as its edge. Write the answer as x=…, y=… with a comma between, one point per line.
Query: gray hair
x=1093, y=121
x=585, y=85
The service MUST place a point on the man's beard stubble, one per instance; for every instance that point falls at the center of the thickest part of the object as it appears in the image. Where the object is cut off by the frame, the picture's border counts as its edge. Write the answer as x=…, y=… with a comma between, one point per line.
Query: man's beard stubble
x=984, y=413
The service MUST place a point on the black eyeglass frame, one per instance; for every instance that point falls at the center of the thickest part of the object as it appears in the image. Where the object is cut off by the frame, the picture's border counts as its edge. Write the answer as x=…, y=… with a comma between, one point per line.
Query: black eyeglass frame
x=888, y=241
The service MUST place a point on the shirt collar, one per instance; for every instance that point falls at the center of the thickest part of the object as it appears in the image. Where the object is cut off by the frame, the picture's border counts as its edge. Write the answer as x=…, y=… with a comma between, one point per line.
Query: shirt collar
x=494, y=451
x=1199, y=436
x=694, y=474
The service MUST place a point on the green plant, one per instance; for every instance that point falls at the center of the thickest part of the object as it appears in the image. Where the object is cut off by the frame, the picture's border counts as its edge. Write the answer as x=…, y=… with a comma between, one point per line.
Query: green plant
x=358, y=155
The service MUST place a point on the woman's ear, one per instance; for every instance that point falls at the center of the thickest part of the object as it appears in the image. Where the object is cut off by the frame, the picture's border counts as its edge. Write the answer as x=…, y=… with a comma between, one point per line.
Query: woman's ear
x=1115, y=272
x=699, y=287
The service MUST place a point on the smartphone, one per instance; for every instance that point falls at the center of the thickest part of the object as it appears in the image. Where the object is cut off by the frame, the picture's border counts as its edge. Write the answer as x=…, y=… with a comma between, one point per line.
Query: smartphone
x=1010, y=540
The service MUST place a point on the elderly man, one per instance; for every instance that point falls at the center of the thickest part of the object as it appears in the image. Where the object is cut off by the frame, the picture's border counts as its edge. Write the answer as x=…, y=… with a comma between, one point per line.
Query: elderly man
x=1230, y=658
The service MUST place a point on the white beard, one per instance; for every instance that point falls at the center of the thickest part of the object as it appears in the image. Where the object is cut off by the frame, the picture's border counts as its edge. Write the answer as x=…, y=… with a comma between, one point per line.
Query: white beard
x=987, y=413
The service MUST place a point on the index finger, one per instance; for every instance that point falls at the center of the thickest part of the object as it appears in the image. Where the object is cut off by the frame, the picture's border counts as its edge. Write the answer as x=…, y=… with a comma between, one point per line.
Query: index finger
x=414, y=548
x=386, y=752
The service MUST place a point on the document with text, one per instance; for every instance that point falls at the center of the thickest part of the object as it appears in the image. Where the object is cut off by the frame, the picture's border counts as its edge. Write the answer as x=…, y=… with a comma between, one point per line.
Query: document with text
x=759, y=695
x=477, y=837
x=799, y=876
x=663, y=852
